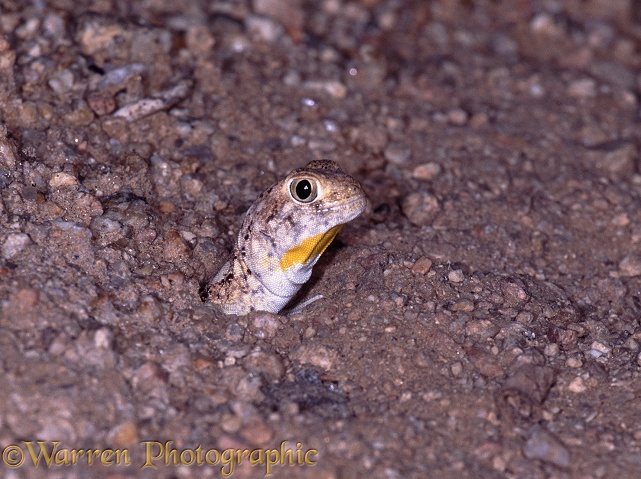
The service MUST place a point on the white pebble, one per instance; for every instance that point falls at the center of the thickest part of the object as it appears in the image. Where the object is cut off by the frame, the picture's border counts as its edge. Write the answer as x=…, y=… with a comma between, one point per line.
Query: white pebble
x=14, y=244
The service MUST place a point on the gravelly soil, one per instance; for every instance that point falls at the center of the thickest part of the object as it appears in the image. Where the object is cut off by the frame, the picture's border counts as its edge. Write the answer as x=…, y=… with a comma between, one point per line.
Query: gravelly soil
x=482, y=318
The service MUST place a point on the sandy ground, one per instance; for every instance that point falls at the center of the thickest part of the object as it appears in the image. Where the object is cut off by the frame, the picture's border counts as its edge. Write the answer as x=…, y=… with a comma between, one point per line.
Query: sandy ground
x=482, y=318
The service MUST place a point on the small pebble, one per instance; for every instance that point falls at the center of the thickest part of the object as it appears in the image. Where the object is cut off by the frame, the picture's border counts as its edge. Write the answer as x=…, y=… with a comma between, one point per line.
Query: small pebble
x=318, y=144
x=257, y=433
x=486, y=362
x=264, y=325
x=249, y=388
x=230, y=423
x=464, y=305
x=334, y=88
x=174, y=247
x=261, y=362
x=544, y=446
x=614, y=73
x=263, y=29
x=630, y=266
x=290, y=13
x=370, y=137
x=420, y=208
x=584, y=88
x=524, y=317
x=618, y=162
x=551, y=350
x=577, y=385
x=62, y=81
x=7, y=156
x=563, y=337
x=14, y=244
x=631, y=344
x=621, y=220
x=574, y=363
x=316, y=355
x=161, y=101
x=479, y=119
x=106, y=231
x=124, y=435
x=117, y=78
x=504, y=45
x=28, y=29
x=455, y=276
x=537, y=90
x=457, y=117
x=5, y=180
x=514, y=292
x=427, y=171
x=397, y=152
x=422, y=265
x=102, y=338
x=600, y=347
x=101, y=103
x=61, y=180
x=543, y=23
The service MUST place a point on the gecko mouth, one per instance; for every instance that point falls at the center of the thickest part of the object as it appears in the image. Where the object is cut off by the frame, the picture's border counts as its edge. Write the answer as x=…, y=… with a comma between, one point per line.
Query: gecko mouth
x=357, y=206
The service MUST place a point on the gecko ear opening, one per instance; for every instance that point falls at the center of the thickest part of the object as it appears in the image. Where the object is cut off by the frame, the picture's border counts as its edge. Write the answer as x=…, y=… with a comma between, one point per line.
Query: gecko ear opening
x=303, y=190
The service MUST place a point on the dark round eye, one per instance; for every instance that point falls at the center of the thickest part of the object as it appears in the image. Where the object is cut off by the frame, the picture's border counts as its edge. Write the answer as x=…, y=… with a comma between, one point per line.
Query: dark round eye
x=303, y=190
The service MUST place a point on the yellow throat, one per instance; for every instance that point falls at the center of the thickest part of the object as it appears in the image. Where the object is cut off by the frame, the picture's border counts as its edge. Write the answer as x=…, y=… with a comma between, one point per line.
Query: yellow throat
x=308, y=249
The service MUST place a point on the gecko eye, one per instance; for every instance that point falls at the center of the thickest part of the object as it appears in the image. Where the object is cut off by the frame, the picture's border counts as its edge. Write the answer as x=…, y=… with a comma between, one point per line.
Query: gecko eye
x=303, y=190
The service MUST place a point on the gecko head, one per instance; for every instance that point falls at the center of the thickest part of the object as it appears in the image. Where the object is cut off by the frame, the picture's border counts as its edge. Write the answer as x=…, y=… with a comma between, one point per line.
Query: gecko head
x=321, y=198
x=323, y=194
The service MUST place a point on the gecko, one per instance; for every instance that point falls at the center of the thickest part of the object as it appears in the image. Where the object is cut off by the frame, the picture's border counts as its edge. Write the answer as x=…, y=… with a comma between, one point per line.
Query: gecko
x=283, y=235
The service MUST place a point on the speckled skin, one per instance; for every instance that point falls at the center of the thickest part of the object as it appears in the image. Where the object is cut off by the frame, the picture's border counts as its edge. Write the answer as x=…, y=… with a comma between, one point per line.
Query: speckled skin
x=254, y=278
